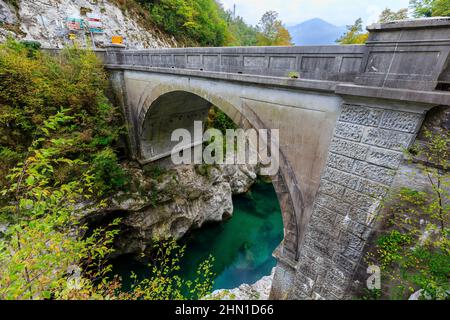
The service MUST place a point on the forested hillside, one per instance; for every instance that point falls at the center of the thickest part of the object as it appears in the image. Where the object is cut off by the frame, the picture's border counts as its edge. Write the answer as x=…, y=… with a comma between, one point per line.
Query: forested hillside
x=141, y=23
x=207, y=23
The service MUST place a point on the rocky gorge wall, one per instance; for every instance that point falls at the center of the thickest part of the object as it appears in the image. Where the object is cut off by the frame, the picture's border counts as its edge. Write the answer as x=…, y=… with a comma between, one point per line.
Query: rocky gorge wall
x=260, y=290
x=44, y=21
x=168, y=203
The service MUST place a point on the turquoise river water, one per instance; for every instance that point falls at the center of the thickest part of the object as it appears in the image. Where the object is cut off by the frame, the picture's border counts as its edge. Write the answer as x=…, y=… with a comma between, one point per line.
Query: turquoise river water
x=242, y=246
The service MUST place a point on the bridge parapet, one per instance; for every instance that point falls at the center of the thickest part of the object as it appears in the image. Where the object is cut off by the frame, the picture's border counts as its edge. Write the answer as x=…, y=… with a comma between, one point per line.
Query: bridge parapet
x=411, y=54
x=331, y=63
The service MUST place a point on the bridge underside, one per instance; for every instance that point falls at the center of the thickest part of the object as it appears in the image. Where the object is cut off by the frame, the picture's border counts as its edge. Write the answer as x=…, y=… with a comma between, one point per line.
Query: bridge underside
x=171, y=111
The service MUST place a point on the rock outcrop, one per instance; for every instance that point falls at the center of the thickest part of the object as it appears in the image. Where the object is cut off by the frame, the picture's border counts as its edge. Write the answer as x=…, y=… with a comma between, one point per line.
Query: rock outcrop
x=7, y=13
x=260, y=290
x=45, y=21
x=169, y=203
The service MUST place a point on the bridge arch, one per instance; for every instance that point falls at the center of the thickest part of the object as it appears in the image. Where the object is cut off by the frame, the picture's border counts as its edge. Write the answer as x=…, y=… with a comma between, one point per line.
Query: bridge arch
x=164, y=109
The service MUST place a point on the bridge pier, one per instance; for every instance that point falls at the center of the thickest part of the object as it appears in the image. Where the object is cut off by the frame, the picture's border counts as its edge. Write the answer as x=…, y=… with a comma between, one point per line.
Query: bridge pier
x=364, y=155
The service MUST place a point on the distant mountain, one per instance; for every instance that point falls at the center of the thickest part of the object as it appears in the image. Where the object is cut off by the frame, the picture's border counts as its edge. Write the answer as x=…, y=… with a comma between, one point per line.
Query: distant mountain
x=315, y=32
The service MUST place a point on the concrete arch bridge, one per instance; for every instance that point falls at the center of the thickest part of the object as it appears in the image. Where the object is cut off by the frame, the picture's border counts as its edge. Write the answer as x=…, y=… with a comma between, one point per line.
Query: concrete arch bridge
x=344, y=121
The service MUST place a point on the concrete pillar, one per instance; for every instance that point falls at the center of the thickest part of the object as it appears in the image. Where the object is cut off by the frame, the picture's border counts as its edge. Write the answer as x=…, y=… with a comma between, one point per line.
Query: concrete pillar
x=378, y=121
x=118, y=86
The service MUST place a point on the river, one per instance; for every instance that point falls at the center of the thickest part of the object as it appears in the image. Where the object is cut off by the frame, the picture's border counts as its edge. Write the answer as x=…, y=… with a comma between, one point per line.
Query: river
x=242, y=246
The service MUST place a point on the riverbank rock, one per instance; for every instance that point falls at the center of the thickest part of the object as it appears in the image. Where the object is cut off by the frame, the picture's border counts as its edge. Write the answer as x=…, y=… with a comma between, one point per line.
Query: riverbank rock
x=260, y=290
x=167, y=203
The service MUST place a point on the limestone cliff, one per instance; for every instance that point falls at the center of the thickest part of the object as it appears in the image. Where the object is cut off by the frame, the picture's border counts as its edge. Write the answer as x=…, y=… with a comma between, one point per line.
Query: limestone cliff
x=45, y=21
x=168, y=203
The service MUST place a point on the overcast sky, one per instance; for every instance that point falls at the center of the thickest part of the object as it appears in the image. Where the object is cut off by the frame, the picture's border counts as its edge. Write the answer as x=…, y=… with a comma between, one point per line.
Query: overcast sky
x=338, y=12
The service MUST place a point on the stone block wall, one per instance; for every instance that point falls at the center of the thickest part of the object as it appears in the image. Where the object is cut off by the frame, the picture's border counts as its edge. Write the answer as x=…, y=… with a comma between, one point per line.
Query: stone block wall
x=364, y=156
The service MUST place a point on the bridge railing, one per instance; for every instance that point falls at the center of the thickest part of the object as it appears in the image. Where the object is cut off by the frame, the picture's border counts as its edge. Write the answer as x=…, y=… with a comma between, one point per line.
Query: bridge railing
x=331, y=63
x=408, y=54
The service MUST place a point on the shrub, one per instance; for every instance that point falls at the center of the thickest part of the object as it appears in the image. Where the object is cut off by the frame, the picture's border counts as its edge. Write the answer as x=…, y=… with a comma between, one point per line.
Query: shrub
x=108, y=174
x=415, y=253
x=35, y=86
x=218, y=119
x=31, y=45
x=43, y=253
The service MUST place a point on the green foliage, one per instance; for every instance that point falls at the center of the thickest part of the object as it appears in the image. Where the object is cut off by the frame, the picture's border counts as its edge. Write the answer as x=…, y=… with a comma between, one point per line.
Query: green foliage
x=154, y=171
x=207, y=23
x=218, y=119
x=415, y=253
x=165, y=283
x=31, y=45
x=34, y=86
x=293, y=75
x=271, y=31
x=239, y=33
x=43, y=253
x=371, y=294
x=354, y=34
x=154, y=197
x=390, y=247
x=388, y=15
x=430, y=8
x=108, y=175
x=197, y=20
x=36, y=250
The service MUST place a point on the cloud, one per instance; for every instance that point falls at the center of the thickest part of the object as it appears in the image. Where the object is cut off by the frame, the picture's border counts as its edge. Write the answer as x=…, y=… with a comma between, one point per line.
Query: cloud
x=339, y=12
x=372, y=13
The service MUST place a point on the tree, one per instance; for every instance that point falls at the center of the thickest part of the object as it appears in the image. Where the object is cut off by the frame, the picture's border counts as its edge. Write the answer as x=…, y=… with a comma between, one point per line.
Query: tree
x=199, y=22
x=430, y=8
x=272, y=32
x=239, y=33
x=354, y=34
x=267, y=24
x=34, y=86
x=194, y=21
x=388, y=15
